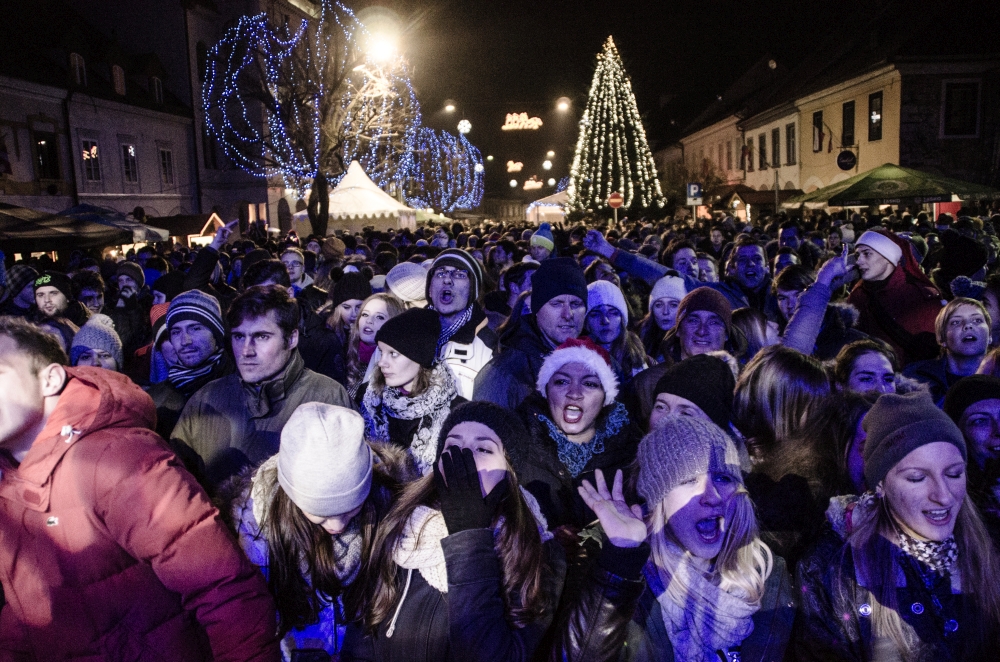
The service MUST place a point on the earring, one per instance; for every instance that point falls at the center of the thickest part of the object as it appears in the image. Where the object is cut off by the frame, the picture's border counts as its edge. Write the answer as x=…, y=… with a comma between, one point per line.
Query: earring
x=879, y=492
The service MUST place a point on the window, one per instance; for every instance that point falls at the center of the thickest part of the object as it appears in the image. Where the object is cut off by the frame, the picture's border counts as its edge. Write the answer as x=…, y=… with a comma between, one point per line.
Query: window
x=960, y=109
x=729, y=155
x=130, y=171
x=78, y=68
x=156, y=87
x=118, y=78
x=47, y=155
x=875, y=116
x=166, y=166
x=818, y=131
x=91, y=161
x=790, y=144
x=762, y=151
x=721, y=162
x=847, y=128
x=776, y=148
x=748, y=153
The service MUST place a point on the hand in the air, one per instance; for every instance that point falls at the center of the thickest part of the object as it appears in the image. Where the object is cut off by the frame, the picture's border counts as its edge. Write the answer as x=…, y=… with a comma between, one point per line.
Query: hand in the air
x=595, y=241
x=622, y=524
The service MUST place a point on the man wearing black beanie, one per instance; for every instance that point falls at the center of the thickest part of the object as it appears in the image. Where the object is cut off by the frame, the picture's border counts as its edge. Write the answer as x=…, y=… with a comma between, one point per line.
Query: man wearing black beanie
x=558, y=311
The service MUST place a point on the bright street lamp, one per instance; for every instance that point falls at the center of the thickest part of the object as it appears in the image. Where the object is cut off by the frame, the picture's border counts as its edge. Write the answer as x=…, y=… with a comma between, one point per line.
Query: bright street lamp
x=550, y=154
x=513, y=183
x=563, y=103
x=547, y=165
x=464, y=126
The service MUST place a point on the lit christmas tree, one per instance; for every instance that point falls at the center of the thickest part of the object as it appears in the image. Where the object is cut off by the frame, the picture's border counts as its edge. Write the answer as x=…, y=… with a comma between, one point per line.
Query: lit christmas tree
x=612, y=153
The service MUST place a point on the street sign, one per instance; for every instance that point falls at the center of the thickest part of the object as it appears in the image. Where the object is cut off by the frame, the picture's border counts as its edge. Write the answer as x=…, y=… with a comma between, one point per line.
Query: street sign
x=615, y=200
x=846, y=160
x=694, y=194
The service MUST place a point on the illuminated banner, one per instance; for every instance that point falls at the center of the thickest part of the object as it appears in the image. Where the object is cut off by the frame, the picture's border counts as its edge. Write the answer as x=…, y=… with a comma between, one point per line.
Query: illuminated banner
x=514, y=166
x=521, y=122
x=532, y=184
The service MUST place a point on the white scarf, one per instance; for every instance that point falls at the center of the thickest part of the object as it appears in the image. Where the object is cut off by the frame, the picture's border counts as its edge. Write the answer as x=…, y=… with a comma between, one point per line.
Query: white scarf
x=707, y=619
x=431, y=407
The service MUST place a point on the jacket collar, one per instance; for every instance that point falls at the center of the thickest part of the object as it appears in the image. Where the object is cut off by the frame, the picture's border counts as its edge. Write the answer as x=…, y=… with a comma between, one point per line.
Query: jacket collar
x=466, y=335
x=261, y=397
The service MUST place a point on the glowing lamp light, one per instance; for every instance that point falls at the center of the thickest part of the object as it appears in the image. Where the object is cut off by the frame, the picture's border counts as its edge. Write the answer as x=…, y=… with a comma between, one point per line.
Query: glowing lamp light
x=550, y=154
x=547, y=164
x=489, y=158
x=513, y=183
x=382, y=48
x=552, y=181
x=562, y=103
x=479, y=167
x=449, y=108
x=464, y=127
x=514, y=166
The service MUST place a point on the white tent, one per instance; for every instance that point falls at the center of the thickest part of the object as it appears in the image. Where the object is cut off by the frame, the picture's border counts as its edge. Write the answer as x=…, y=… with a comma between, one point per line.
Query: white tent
x=550, y=209
x=357, y=202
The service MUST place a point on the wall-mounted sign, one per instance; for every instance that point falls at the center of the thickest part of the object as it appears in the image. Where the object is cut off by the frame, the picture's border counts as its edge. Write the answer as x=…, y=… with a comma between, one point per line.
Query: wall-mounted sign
x=514, y=166
x=846, y=160
x=521, y=122
x=532, y=184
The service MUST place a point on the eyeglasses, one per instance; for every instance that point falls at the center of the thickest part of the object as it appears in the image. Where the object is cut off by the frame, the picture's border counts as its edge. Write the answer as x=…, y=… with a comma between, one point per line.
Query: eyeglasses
x=454, y=274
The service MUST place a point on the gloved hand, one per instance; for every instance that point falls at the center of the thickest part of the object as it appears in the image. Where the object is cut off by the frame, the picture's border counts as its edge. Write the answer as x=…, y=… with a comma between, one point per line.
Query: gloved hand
x=462, y=503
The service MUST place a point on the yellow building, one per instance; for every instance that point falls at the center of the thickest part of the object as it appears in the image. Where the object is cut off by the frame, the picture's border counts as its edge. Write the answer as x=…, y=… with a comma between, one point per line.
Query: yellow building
x=860, y=115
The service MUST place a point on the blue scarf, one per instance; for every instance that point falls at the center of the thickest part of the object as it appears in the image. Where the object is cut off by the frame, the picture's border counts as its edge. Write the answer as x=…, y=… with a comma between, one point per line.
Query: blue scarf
x=576, y=456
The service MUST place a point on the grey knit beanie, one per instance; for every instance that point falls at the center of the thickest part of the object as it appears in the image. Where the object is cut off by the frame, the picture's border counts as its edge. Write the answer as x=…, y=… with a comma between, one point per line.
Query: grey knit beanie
x=195, y=305
x=98, y=333
x=899, y=424
x=680, y=448
x=324, y=464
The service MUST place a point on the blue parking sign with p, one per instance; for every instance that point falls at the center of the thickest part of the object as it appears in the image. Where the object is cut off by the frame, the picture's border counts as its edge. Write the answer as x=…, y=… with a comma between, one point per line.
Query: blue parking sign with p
x=694, y=190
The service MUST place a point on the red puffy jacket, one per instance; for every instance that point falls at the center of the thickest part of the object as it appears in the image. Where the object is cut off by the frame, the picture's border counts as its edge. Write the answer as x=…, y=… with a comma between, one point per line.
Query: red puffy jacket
x=109, y=550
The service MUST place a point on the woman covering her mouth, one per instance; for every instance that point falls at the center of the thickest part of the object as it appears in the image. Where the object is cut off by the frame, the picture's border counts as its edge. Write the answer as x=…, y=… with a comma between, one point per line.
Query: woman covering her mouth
x=576, y=427
x=916, y=578
x=689, y=581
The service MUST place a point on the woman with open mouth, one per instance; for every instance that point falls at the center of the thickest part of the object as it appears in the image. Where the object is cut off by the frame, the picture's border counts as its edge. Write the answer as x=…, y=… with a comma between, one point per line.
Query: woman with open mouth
x=685, y=577
x=576, y=427
x=362, y=349
x=916, y=578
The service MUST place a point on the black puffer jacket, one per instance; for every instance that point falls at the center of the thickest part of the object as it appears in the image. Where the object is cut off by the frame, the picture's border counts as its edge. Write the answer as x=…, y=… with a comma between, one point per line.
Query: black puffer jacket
x=835, y=615
x=550, y=481
x=466, y=624
x=510, y=376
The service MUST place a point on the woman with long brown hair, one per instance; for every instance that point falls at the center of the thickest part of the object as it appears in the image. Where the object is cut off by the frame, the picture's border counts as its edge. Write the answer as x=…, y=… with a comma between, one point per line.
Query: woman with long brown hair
x=375, y=311
x=308, y=516
x=463, y=567
x=916, y=579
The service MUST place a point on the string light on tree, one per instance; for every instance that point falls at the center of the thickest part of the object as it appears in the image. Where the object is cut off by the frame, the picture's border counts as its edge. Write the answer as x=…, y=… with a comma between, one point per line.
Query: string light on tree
x=612, y=153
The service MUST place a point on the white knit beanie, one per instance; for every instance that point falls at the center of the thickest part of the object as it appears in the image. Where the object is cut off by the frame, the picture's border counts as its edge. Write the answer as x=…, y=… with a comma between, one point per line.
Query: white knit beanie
x=605, y=293
x=882, y=245
x=585, y=351
x=407, y=280
x=324, y=464
x=668, y=286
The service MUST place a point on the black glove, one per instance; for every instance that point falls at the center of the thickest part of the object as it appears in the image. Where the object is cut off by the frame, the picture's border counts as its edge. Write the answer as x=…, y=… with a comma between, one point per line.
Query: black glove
x=462, y=503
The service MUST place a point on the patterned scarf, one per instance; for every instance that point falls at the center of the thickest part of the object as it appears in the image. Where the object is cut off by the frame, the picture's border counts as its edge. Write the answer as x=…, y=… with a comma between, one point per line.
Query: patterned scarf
x=576, y=456
x=431, y=407
x=938, y=556
x=452, y=328
x=182, y=378
x=706, y=619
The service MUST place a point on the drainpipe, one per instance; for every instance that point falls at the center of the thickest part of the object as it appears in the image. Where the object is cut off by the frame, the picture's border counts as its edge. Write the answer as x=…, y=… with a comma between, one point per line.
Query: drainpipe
x=195, y=98
x=70, y=143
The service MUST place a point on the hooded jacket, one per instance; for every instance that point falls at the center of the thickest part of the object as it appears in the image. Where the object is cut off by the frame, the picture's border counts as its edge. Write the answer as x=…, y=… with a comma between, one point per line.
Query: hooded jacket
x=110, y=551
x=469, y=350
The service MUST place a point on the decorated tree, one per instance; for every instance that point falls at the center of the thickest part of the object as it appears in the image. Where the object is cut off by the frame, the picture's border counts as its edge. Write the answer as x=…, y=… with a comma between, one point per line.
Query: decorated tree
x=447, y=172
x=611, y=152
x=303, y=104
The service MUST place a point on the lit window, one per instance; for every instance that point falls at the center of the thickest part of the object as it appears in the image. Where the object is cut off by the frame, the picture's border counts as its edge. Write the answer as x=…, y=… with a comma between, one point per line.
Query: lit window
x=875, y=116
x=78, y=68
x=130, y=170
x=156, y=86
x=118, y=77
x=166, y=166
x=91, y=161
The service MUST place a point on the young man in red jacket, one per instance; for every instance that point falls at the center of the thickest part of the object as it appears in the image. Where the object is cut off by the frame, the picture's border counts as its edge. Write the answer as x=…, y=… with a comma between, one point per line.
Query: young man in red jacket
x=108, y=549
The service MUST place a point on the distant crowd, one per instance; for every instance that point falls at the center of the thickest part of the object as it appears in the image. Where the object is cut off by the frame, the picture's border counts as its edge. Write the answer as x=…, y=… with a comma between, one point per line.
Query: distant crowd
x=652, y=440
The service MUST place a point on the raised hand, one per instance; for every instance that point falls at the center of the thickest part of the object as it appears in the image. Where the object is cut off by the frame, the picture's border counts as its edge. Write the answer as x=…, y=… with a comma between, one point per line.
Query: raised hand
x=595, y=241
x=834, y=269
x=622, y=524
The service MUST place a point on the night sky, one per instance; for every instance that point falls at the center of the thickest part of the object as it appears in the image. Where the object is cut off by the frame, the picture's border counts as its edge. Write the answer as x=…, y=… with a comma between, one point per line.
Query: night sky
x=494, y=57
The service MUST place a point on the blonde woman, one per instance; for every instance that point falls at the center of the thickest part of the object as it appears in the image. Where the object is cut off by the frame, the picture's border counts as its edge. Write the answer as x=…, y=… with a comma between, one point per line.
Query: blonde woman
x=690, y=581
x=375, y=311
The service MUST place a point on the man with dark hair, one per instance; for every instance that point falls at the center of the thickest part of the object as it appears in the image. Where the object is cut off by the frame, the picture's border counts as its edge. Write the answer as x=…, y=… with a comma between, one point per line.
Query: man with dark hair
x=235, y=421
x=88, y=289
x=132, y=557
x=303, y=288
x=790, y=235
x=54, y=298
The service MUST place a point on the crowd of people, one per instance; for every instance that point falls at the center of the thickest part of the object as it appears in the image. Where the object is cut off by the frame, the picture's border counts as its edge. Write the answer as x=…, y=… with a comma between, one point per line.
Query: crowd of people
x=652, y=440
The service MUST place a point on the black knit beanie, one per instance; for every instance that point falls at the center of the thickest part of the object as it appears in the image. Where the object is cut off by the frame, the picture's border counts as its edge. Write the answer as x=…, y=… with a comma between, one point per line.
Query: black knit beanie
x=704, y=380
x=414, y=334
x=555, y=277
x=58, y=280
x=968, y=391
x=501, y=420
x=459, y=259
x=899, y=424
x=352, y=285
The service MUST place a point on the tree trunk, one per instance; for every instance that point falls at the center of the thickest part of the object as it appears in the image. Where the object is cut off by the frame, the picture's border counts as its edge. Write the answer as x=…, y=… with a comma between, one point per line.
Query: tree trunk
x=319, y=205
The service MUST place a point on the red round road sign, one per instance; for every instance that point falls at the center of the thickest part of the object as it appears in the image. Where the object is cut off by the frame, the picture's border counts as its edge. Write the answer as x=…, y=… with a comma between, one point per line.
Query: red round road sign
x=615, y=200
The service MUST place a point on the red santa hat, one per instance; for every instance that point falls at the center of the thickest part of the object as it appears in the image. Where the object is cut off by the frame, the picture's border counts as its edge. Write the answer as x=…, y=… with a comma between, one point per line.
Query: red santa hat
x=585, y=351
